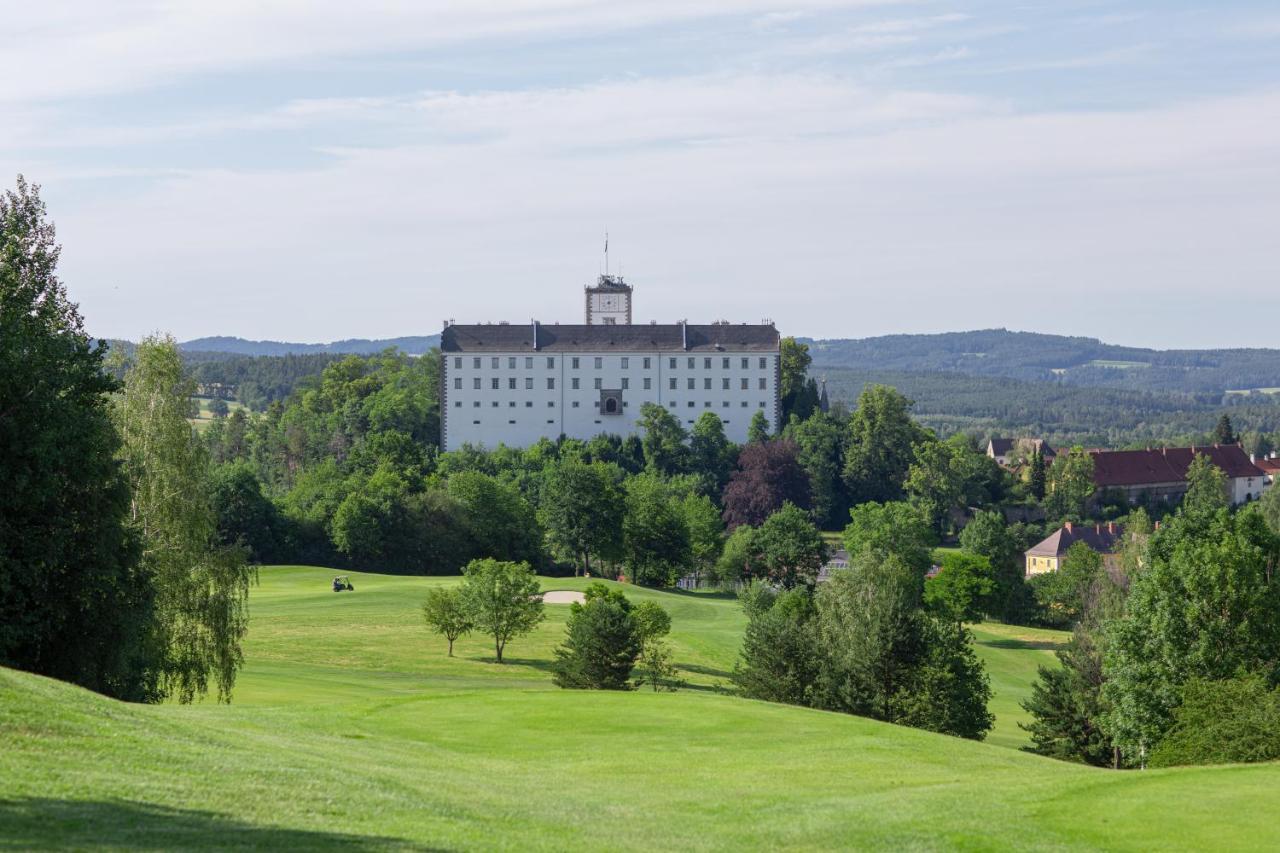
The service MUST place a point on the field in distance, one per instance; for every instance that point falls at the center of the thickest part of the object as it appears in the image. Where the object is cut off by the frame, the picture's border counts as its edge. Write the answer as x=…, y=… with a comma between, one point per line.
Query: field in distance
x=351, y=729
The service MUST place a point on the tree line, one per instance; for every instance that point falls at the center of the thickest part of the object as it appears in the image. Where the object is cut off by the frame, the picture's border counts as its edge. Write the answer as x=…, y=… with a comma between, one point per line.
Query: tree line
x=112, y=570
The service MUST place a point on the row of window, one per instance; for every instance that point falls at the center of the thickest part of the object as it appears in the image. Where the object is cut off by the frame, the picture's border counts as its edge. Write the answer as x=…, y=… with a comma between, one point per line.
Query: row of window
x=528, y=404
x=495, y=383
x=725, y=421
x=575, y=362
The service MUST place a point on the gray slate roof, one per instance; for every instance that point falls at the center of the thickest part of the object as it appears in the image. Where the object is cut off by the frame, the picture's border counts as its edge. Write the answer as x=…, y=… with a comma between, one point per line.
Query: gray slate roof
x=637, y=338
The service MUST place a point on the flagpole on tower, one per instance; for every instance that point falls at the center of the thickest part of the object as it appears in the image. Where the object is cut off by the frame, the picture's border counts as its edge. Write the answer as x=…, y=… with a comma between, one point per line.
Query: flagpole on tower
x=606, y=252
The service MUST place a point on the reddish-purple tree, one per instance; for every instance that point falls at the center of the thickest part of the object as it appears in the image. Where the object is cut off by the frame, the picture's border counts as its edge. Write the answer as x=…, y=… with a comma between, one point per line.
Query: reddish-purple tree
x=768, y=475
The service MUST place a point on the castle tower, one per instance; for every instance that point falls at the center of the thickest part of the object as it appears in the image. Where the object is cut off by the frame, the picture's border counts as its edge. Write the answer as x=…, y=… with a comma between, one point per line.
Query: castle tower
x=609, y=302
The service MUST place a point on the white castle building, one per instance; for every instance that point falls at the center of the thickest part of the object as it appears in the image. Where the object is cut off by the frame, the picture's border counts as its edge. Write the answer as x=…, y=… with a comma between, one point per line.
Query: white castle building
x=512, y=385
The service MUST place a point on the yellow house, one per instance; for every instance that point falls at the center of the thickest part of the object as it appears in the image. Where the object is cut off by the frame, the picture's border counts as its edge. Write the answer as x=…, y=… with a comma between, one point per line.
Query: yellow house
x=1047, y=555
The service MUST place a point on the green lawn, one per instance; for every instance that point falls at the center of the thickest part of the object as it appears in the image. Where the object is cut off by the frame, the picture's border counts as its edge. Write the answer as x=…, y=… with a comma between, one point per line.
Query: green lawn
x=352, y=730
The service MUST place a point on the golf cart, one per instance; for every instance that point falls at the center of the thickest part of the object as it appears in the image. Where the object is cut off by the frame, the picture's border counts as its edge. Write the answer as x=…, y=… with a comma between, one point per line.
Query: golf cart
x=342, y=582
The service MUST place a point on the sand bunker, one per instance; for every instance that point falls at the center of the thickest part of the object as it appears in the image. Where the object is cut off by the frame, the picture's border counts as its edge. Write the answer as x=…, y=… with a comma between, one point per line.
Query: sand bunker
x=563, y=596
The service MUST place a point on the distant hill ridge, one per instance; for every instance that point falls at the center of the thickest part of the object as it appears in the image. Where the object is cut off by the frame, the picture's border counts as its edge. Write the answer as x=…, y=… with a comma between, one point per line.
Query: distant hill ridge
x=414, y=345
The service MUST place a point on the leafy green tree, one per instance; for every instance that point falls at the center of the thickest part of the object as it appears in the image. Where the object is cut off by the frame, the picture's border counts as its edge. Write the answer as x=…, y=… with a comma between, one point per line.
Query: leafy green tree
x=1206, y=605
x=758, y=429
x=818, y=441
x=706, y=530
x=711, y=455
x=1070, y=484
x=245, y=515
x=663, y=441
x=501, y=599
x=1224, y=433
x=794, y=361
x=653, y=622
x=880, y=446
x=884, y=657
x=788, y=548
x=1229, y=721
x=738, y=558
x=1062, y=595
x=582, y=508
x=1206, y=488
x=898, y=529
x=948, y=691
x=987, y=535
x=655, y=535
x=218, y=407
x=963, y=589
x=501, y=523
x=202, y=587
x=1269, y=507
x=656, y=666
x=935, y=482
x=76, y=605
x=602, y=642
x=780, y=657
x=446, y=613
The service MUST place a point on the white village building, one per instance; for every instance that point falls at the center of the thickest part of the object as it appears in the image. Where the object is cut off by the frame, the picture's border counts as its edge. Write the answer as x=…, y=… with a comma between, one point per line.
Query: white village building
x=514, y=384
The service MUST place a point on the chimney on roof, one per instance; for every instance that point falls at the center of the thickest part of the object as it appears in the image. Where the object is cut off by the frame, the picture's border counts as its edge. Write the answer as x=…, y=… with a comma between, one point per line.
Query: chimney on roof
x=684, y=334
x=535, y=335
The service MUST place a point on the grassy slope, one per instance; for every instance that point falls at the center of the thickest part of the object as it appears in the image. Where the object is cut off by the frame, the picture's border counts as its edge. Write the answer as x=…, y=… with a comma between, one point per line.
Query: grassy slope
x=351, y=730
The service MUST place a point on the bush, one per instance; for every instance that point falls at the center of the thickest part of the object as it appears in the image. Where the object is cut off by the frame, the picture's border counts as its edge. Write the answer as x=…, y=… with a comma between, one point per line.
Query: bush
x=1232, y=721
x=602, y=645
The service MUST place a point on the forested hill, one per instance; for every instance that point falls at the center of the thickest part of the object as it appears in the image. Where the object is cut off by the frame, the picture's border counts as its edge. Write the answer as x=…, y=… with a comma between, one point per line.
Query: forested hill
x=1038, y=357
x=414, y=345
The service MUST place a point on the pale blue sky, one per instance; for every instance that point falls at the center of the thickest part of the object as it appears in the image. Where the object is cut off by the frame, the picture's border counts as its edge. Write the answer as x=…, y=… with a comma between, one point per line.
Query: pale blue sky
x=329, y=170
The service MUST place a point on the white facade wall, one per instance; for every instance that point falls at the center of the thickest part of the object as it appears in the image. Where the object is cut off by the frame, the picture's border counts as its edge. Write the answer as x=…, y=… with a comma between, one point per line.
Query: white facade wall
x=1245, y=489
x=516, y=398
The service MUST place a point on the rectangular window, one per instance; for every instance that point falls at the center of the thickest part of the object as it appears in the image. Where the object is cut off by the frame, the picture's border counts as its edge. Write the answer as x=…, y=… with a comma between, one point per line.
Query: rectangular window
x=574, y=383
x=672, y=365
x=457, y=362
x=528, y=362
x=764, y=362
x=691, y=404
x=551, y=362
x=724, y=384
x=511, y=362
x=511, y=405
x=648, y=384
x=706, y=384
x=746, y=363
x=475, y=362
x=551, y=383
x=597, y=385
x=626, y=362
x=673, y=383
x=493, y=362
x=724, y=363
x=706, y=364
x=692, y=362
x=692, y=383
x=476, y=404
x=511, y=383
x=744, y=404
x=457, y=383
x=646, y=364
x=764, y=383
x=672, y=404
x=599, y=362
x=626, y=383
x=457, y=404
x=707, y=404
x=495, y=404
x=575, y=404
x=476, y=383
x=528, y=383
x=745, y=386
x=575, y=362
x=725, y=404
x=528, y=404
x=551, y=404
